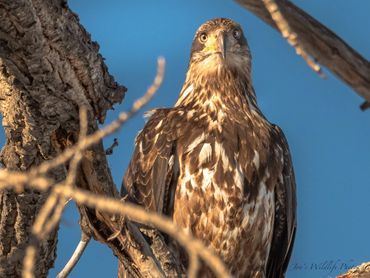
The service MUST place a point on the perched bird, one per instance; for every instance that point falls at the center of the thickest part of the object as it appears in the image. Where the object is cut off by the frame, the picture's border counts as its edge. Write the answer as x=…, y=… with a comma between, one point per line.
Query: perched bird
x=215, y=165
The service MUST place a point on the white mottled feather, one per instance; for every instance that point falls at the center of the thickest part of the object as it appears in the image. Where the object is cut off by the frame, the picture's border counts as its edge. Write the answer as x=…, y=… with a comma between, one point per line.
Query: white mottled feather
x=256, y=159
x=195, y=143
x=184, y=94
x=205, y=153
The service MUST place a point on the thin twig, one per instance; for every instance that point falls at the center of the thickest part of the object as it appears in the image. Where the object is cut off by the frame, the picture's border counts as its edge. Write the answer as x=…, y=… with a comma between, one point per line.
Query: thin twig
x=52, y=210
x=54, y=205
x=18, y=180
x=193, y=265
x=109, y=151
x=289, y=35
x=72, y=174
x=28, y=263
x=365, y=105
x=85, y=239
x=42, y=216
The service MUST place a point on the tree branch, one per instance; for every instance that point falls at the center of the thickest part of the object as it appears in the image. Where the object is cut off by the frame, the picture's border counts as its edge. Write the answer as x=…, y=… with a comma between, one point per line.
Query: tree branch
x=321, y=43
x=289, y=35
x=85, y=239
x=361, y=271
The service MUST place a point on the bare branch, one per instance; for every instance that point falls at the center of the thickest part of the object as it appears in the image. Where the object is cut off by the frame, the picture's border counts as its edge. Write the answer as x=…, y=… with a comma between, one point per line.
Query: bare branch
x=288, y=34
x=193, y=265
x=29, y=262
x=52, y=210
x=321, y=43
x=71, y=177
x=85, y=239
x=18, y=180
x=109, y=151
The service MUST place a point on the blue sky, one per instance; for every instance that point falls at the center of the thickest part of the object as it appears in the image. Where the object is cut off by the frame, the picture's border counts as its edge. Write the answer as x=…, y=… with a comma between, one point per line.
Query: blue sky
x=328, y=135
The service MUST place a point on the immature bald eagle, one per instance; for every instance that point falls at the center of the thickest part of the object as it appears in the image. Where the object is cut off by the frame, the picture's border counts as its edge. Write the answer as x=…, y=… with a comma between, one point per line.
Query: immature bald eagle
x=216, y=165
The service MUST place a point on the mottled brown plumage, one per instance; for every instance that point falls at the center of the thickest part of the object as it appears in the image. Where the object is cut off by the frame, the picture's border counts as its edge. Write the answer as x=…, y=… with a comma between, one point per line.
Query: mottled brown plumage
x=216, y=165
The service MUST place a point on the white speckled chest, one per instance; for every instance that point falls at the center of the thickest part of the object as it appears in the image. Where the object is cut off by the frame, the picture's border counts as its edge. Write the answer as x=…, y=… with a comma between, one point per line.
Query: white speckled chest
x=218, y=203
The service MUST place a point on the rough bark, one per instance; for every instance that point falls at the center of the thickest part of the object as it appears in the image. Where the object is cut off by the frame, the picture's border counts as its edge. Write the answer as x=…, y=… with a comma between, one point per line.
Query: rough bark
x=322, y=44
x=49, y=67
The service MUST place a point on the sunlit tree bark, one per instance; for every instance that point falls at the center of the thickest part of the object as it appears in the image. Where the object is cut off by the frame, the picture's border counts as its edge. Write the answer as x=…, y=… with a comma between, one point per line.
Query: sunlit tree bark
x=49, y=67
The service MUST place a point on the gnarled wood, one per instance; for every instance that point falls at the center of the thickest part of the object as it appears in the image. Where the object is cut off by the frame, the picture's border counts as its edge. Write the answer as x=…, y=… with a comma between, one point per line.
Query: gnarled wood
x=321, y=43
x=48, y=68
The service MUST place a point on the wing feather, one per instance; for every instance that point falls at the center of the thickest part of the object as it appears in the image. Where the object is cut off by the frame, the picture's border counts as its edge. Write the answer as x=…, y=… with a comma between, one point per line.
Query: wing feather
x=285, y=215
x=152, y=170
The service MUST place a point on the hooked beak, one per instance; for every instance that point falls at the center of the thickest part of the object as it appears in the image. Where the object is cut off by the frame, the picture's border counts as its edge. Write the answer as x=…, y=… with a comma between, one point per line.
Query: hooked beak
x=221, y=43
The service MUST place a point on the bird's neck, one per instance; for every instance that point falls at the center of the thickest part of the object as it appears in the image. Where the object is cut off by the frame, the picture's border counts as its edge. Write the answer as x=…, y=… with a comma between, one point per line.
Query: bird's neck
x=222, y=89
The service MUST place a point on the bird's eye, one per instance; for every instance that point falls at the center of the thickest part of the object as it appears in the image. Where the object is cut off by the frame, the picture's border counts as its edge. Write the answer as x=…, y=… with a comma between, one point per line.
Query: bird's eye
x=237, y=33
x=203, y=37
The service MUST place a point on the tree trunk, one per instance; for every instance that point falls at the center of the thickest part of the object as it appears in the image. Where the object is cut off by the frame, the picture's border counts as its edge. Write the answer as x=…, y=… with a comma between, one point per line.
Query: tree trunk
x=49, y=67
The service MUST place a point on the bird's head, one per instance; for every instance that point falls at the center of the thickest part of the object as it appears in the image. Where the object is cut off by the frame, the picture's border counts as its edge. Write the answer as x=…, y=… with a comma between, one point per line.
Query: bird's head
x=220, y=43
x=220, y=62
